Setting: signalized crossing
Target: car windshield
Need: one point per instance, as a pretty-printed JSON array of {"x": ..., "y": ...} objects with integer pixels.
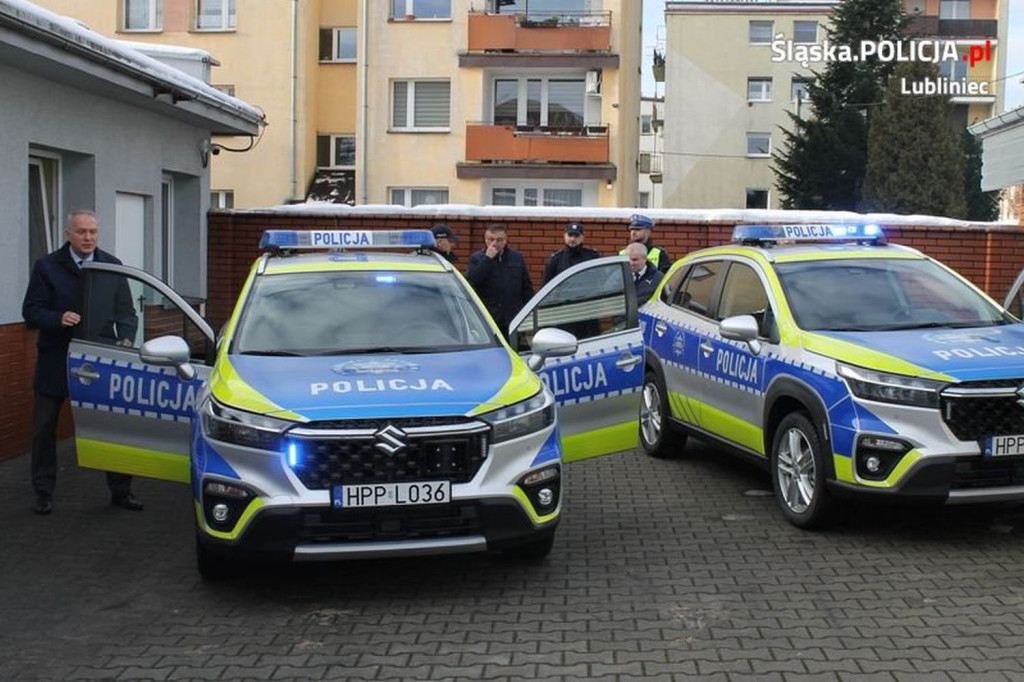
[
  {"x": 335, "y": 313},
  {"x": 881, "y": 294}
]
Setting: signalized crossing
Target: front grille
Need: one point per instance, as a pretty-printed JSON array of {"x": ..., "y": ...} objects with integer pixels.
[
  {"x": 326, "y": 462},
  {"x": 985, "y": 473},
  {"x": 402, "y": 423},
  {"x": 390, "y": 523},
  {"x": 972, "y": 418}
]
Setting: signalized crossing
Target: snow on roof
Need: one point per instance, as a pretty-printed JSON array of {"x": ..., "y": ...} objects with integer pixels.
[
  {"x": 170, "y": 50},
  {"x": 695, "y": 215},
  {"x": 70, "y": 30}
]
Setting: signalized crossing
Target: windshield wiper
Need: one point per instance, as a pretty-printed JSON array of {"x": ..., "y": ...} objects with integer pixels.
[
  {"x": 365, "y": 350},
  {"x": 936, "y": 325},
  {"x": 274, "y": 353}
]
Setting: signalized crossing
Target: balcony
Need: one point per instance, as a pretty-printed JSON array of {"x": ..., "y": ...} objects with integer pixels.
[
  {"x": 933, "y": 27},
  {"x": 578, "y": 39},
  {"x": 507, "y": 150}
]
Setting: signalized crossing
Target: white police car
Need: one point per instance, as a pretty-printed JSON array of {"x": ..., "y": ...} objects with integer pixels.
[
  {"x": 845, "y": 365},
  {"x": 360, "y": 403}
]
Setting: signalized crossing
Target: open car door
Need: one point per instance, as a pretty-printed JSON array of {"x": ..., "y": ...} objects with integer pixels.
[
  {"x": 598, "y": 388},
  {"x": 131, "y": 416}
]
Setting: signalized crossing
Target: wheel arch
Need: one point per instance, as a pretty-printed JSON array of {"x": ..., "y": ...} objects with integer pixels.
[{"x": 787, "y": 395}]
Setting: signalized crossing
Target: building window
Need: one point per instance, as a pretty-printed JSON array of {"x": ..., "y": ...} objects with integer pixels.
[
  {"x": 222, "y": 198},
  {"x": 805, "y": 31},
  {"x": 215, "y": 15},
  {"x": 759, "y": 144},
  {"x": 761, "y": 32},
  {"x": 759, "y": 89},
  {"x": 338, "y": 44},
  {"x": 757, "y": 198},
  {"x": 421, "y": 105},
  {"x": 645, "y": 124},
  {"x": 954, "y": 9},
  {"x": 536, "y": 196},
  {"x": 143, "y": 15},
  {"x": 416, "y": 196},
  {"x": 336, "y": 151},
  {"x": 644, "y": 201},
  {"x": 954, "y": 71},
  {"x": 44, "y": 205},
  {"x": 645, "y": 162},
  {"x": 551, "y": 102},
  {"x": 421, "y": 9},
  {"x": 226, "y": 88},
  {"x": 798, "y": 88}
]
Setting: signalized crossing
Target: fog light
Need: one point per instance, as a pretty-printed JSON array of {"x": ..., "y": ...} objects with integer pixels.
[
  {"x": 545, "y": 496},
  {"x": 873, "y": 464},
  {"x": 220, "y": 512}
]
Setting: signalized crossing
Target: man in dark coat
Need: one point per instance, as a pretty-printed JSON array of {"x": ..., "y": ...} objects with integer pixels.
[
  {"x": 53, "y": 305},
  {"x": 444, "y": 241},
  {"x": 573, "y": 253},
  {"x": 645, "y": 275},
  {"x": 499, "y": 276}
]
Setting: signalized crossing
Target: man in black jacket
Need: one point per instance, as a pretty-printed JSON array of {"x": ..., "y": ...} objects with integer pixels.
[
  {"x": 53, "y": 305},
  {"x": 499, "y": 276},
  {"x": 646, "y": 277},
  {"x": 573, "y": 253},
  {"x": 444, "y": 242}
]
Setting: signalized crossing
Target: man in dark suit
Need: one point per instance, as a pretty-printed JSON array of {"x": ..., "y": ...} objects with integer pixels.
[
  {"x": 645, "y": 275},
  {"x": 499, "y": 276},
  {"x": 573, "y": 253},
  {"x": 53, "y": 305}
]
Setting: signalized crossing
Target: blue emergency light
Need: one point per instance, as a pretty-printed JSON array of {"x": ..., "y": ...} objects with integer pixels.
[
  {"x": 346, "y": 239},
  {"x": 752, "y": 234}
]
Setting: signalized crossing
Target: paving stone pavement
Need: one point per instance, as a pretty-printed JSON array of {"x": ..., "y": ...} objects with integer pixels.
[{"x": 663, "y": 570}]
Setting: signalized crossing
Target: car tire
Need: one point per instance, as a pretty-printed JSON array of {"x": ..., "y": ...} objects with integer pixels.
[
  {"x": 798, "y": 472},
  {"x": 212, "y": 565},
  {"x": 532, "y": 551},
  {"x": 657, "y": 435}
]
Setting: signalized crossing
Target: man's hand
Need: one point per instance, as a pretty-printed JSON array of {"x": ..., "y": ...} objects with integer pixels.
[
  {"x": 70, "y": 318},
  {"x": 127, "y": 343},
  {"x": 492, "y": 251}
]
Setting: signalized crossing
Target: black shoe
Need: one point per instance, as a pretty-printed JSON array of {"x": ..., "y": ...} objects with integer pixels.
[
  {"x": 43, "y": 504},
  {"x": 127, "y": 501}
]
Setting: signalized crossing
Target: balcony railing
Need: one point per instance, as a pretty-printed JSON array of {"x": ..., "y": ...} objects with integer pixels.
[
  {"x": 577, "y": 144},
  {"x": 932, "y": 26},
  {"x": 540, "y": 32}
]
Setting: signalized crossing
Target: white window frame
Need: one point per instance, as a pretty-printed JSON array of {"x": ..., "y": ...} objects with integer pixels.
[
  {"x": 954, "y": 70},
  {"x": 759, "y": 89},
  {"x": 156, "y": 15},
  {"x": 163, "y": 239},
  {"x": 752, "y": 137},
  {"x": 336, "y": 34},
  {"x": 51, "y": 204},
  {"x": 228, "y": 17},
  {"x": 760, "y": 23},
  {"x": 522, "y": 96},
  {"x": 958, "y": 6},
  {"x": 219, "y": 198},
  {"x": 646, "y": 124},
  {"x": 537, "y": 189},
  {"x": 332, "y": 150},
  {"x": 814, "y": 25},
  {"x": 793, "y": 87},
  {"x": 410, "y": 12},
  {"x": 407, "y": 195},
  {"x": 410, "y": 109}
]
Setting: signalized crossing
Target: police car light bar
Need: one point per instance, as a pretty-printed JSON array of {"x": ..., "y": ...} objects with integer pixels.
[
  {"x": 346, "y": 239},
  {"x": 808, "y": 233}
]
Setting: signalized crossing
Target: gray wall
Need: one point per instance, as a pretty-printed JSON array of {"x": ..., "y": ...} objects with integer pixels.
[{"x": 106, "y": 147}]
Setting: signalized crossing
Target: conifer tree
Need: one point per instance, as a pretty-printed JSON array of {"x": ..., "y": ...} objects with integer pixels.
[{"x": 983, "y": 206}]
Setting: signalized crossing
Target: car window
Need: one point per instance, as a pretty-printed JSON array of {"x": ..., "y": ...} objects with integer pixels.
[
  {"x": 588, "y": 303},
  {"x": 881, "y": 294},
  {"x": 744, "y": 294},
  {"x": 327, "y": 313},
  {"x": 698, "y": 288},
  {"x": 672, "y": 286}
]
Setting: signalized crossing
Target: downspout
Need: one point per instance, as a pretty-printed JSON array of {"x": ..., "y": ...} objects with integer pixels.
[
  {"x": 294, "y": 97},
  {"x": 364, "y": 127}
]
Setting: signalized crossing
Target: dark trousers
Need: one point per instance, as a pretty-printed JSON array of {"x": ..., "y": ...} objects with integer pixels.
[{"x": 44, "y": 450}]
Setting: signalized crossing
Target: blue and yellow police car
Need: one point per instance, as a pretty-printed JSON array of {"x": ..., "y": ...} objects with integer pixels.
[
  {"x": 359, "y": 401},
  {"x": 845, "y": 365}
]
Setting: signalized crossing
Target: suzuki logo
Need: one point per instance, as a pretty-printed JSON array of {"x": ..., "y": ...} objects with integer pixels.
[
  {"x": 390, "y": 440},
  {"x": 1020, "y": 395}
]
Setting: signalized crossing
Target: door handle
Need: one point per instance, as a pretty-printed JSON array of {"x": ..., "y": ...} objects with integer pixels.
[
  {"x": 86, "y": 374},
  {"x": 706, "y": 348},
  {"x": 660, "y": 328},
  {"x": 628, "y": 362}
]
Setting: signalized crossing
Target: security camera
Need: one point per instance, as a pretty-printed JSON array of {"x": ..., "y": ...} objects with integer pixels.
[{"x": 208, "y": 147}]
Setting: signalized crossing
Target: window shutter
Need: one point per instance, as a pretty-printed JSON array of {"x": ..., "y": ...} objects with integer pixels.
[
  {"x": 400, "y": 105},
  {"x": 433, "y": 104}
]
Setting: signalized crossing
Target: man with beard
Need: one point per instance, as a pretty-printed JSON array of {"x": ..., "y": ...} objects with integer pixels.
[{"x": 573, "y": 253}]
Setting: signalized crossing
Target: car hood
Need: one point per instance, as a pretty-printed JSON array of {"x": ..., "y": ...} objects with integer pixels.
[
  {"x": 971, "y": 354},
  {"x": 378, "y": 385}
]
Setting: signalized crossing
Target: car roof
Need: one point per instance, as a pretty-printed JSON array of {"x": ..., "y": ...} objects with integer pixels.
[
  {"x": 781, "y": 253},
  {"x": 336, "y": 261}
]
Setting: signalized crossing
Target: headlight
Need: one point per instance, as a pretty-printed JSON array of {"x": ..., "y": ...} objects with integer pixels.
[
  {"x": 890, "y": 388},
  {"x": 522, "y": 418},
  {"x": 242, "y": 428}
]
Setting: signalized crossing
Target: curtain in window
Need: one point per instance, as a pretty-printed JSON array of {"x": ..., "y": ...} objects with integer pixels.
[
  {"x": 400, "y": 107},
  {"x": 563, "y": 197},
  {"x": 433, "y": 104}
]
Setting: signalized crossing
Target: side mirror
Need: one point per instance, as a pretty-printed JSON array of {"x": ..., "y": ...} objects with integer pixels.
[
  {"x": 741, "y": 328},
  {"x": 169, "y": 351},
  {"x": 550, "y": 343}
]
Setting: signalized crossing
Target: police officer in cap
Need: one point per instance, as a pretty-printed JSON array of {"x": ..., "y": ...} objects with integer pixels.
[
  {"x": 445, "y": 242},
  {"x": 640, "y": 227},
  {"x": 573, "y": 253}
]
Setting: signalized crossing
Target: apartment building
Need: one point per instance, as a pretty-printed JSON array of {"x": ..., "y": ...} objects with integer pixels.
[
  {"x": 652, "y": 143},
  {"x": 529, "y": 102},
  {"x": 726, "y": 97}
]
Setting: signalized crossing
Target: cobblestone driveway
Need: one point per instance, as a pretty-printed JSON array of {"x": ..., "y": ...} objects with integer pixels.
[{"x": 662, "y": 570}]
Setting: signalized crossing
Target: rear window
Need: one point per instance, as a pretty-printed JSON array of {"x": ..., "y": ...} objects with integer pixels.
[{"x": 334, "y": 313}]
